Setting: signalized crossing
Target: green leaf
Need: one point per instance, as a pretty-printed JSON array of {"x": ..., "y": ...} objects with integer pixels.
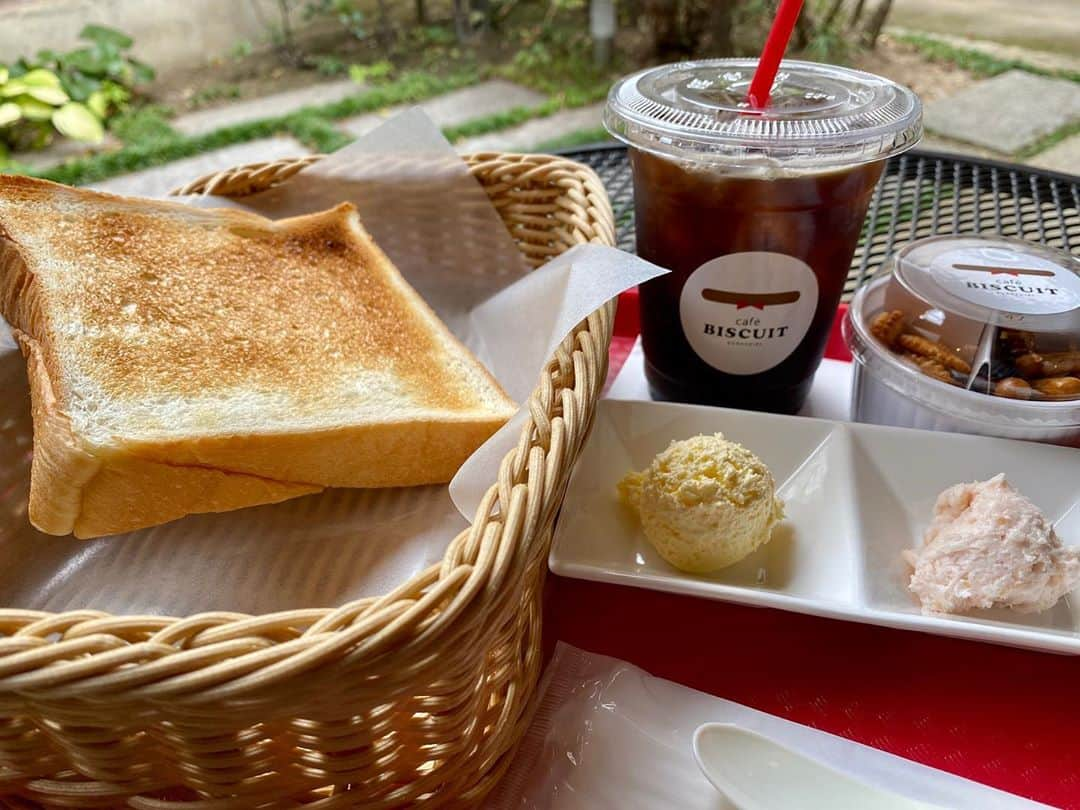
[
  {"x": 45, "y": 94},
  {"x": 49, "y": 95},
  {"x": 35, "y": 110},
  {"x": 116, "y": 95},
  {"x": 47, "y": 56},
  {"x": 98, "y": 104},
  {"x": 40, "y": 77},
  {"x": 78, "y": 85},
  {"x": 76, "y": 121},
  {"x": 143, "y": 72},
  {"x": 87, "y": 61},
  {"x": 3, "y": 74},
  {"x": 53, "y": 96},
  {"x": 361, "y": 74},
  {"x": 120, "y": 70},
  {"x": 115, "y": 92},
  {"x": 102, "y": 35},
  {"x": 9, "y": 113}
]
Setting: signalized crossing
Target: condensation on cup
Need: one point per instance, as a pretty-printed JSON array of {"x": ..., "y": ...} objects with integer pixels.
[{"x": 757, "y": 215}]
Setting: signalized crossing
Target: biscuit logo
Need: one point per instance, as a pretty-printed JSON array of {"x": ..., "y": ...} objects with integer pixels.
[
  {"x": 1014, "y": 284},
  {"x": 746, "y": 300},
  {"x": 745, "y": 313},
  {"x": 1015, "y": 272}
]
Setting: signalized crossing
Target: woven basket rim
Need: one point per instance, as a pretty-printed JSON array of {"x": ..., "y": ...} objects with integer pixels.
[
  {"x": 259, "y": 176},
  {"x": 326, "y": 622},
  {"x": 453, "y": 653}
]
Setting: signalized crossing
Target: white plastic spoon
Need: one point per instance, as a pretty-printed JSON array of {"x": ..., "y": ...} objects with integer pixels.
[{"x": 755, "y": 773}]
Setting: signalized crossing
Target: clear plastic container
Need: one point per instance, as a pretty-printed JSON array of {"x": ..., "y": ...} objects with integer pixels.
[
  {"x": 973, "y": 334},
  {"x": 756, "y": 213}
]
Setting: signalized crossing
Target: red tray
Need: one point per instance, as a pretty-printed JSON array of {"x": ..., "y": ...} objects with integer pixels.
[{"x": 1000, "y": 716}]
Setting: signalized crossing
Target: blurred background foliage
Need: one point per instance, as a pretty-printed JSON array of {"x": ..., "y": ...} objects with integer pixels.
[
  {"x": 552, "y": 45},
  {"x": 397, "y": 51},
  {"x": 542, "y": 33},
  {"x": 70, "y": 94}
]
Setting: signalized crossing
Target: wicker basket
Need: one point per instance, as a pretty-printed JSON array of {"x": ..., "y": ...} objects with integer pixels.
[{"x": 415, "y": 697}]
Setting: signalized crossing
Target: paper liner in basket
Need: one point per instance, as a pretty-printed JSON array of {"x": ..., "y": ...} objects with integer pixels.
[{"x": 417, "y": 198}]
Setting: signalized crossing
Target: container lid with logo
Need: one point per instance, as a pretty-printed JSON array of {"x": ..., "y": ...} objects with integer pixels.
[
  {"x": 1005, "y": 282},
  {"x": 818, "y": 115},
  {"x": 953, "y": 318}
]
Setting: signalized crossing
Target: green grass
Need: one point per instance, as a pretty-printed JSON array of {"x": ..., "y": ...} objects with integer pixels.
[
  {"x": 310, "y": 125},
  {"x": 151, "y": 141},
  {"x": 143, "y": 123},
  {"x": 212, "y": 93},
  {"x": 318, "y": 133},
  {"x": 983, "y": 64},
  {"x": 499, "y": 121},
  {"x": 1047, "y": 141},
  {"x": 519, "y": 115},
  {"x": 572, "y": 139},
  {"x": 977, "y": 62},
  {"x": 548, "y": 55}
]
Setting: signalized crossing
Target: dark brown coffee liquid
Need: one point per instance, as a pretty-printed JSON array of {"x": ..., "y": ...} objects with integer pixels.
[{"x": 686, "y": 218}]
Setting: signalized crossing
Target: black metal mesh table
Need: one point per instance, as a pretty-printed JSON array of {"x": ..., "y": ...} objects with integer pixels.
[{"x": 920, "y": 194}]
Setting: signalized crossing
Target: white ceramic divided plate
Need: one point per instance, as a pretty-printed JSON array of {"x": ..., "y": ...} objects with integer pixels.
[{"x": 855, "y": 495}]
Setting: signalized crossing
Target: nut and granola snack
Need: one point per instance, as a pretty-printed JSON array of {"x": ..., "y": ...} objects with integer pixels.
[
  {"x": 930, "y": 367},
  {"x": 917, "y": 344},
  {"x": 1016, "y": 342},
  {"x": 1013, "y": 388},
  {"x": 1056, "y": 364},
  {"x": 888, "y": 326},
  {"x": 1019, "y": 370},
  {"x": 1058, "y": 387}
]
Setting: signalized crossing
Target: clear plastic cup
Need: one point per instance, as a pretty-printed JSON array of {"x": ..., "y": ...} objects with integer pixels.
[{"x": 757, "y": 215}]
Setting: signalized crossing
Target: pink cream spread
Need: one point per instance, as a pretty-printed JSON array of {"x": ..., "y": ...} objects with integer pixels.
[{"x": 989, "y": 546}]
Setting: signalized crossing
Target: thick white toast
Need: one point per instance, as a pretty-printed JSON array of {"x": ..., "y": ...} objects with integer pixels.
[{"x": 188, "y": 360}]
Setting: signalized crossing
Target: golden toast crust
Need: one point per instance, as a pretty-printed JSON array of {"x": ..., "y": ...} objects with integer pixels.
[{"x": 156, "y": 302}]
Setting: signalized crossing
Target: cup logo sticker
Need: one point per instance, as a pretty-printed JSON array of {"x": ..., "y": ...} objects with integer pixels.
[
  {"x": 1005, "y": 280},
  {"x": 1015, "y": 272},
  {"x": 741, "y": 300},
  {"x": 745, "y": 313}
]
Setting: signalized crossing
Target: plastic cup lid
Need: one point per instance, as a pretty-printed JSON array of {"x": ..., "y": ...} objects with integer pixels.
[{"x": 818, "y": 115}]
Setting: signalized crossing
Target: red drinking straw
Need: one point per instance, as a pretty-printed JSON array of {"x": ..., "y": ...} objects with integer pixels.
[{"x": 775, "y": 45}]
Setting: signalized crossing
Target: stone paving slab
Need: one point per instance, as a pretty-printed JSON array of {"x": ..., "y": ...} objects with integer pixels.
[
  {"x": 160, "y": 181},
  {"x": 531, "y": 133},
  {"x": 933, "y": 143},
  {"x": 1046, "y": 24},
  {"x": 456, "y": 107},
  {"x": 1006, "y": 113},
  {"x": 1063, "y": 157},
  {"x": 64, "y": 149},
  {"x": 1045, "y": 60},
  {"x": 203, "y": 121}
]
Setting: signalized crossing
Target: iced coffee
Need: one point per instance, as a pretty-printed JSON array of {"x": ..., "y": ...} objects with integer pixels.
[{"x": 757, "y": 215}]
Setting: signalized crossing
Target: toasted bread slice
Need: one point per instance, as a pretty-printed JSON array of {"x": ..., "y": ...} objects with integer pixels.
[{"x": 187, "y": 360}]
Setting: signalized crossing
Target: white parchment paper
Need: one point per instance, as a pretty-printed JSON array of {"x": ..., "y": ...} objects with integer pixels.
[
  {"x": 609, "y": 735},
  {"x": 419, "y": 201}
]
